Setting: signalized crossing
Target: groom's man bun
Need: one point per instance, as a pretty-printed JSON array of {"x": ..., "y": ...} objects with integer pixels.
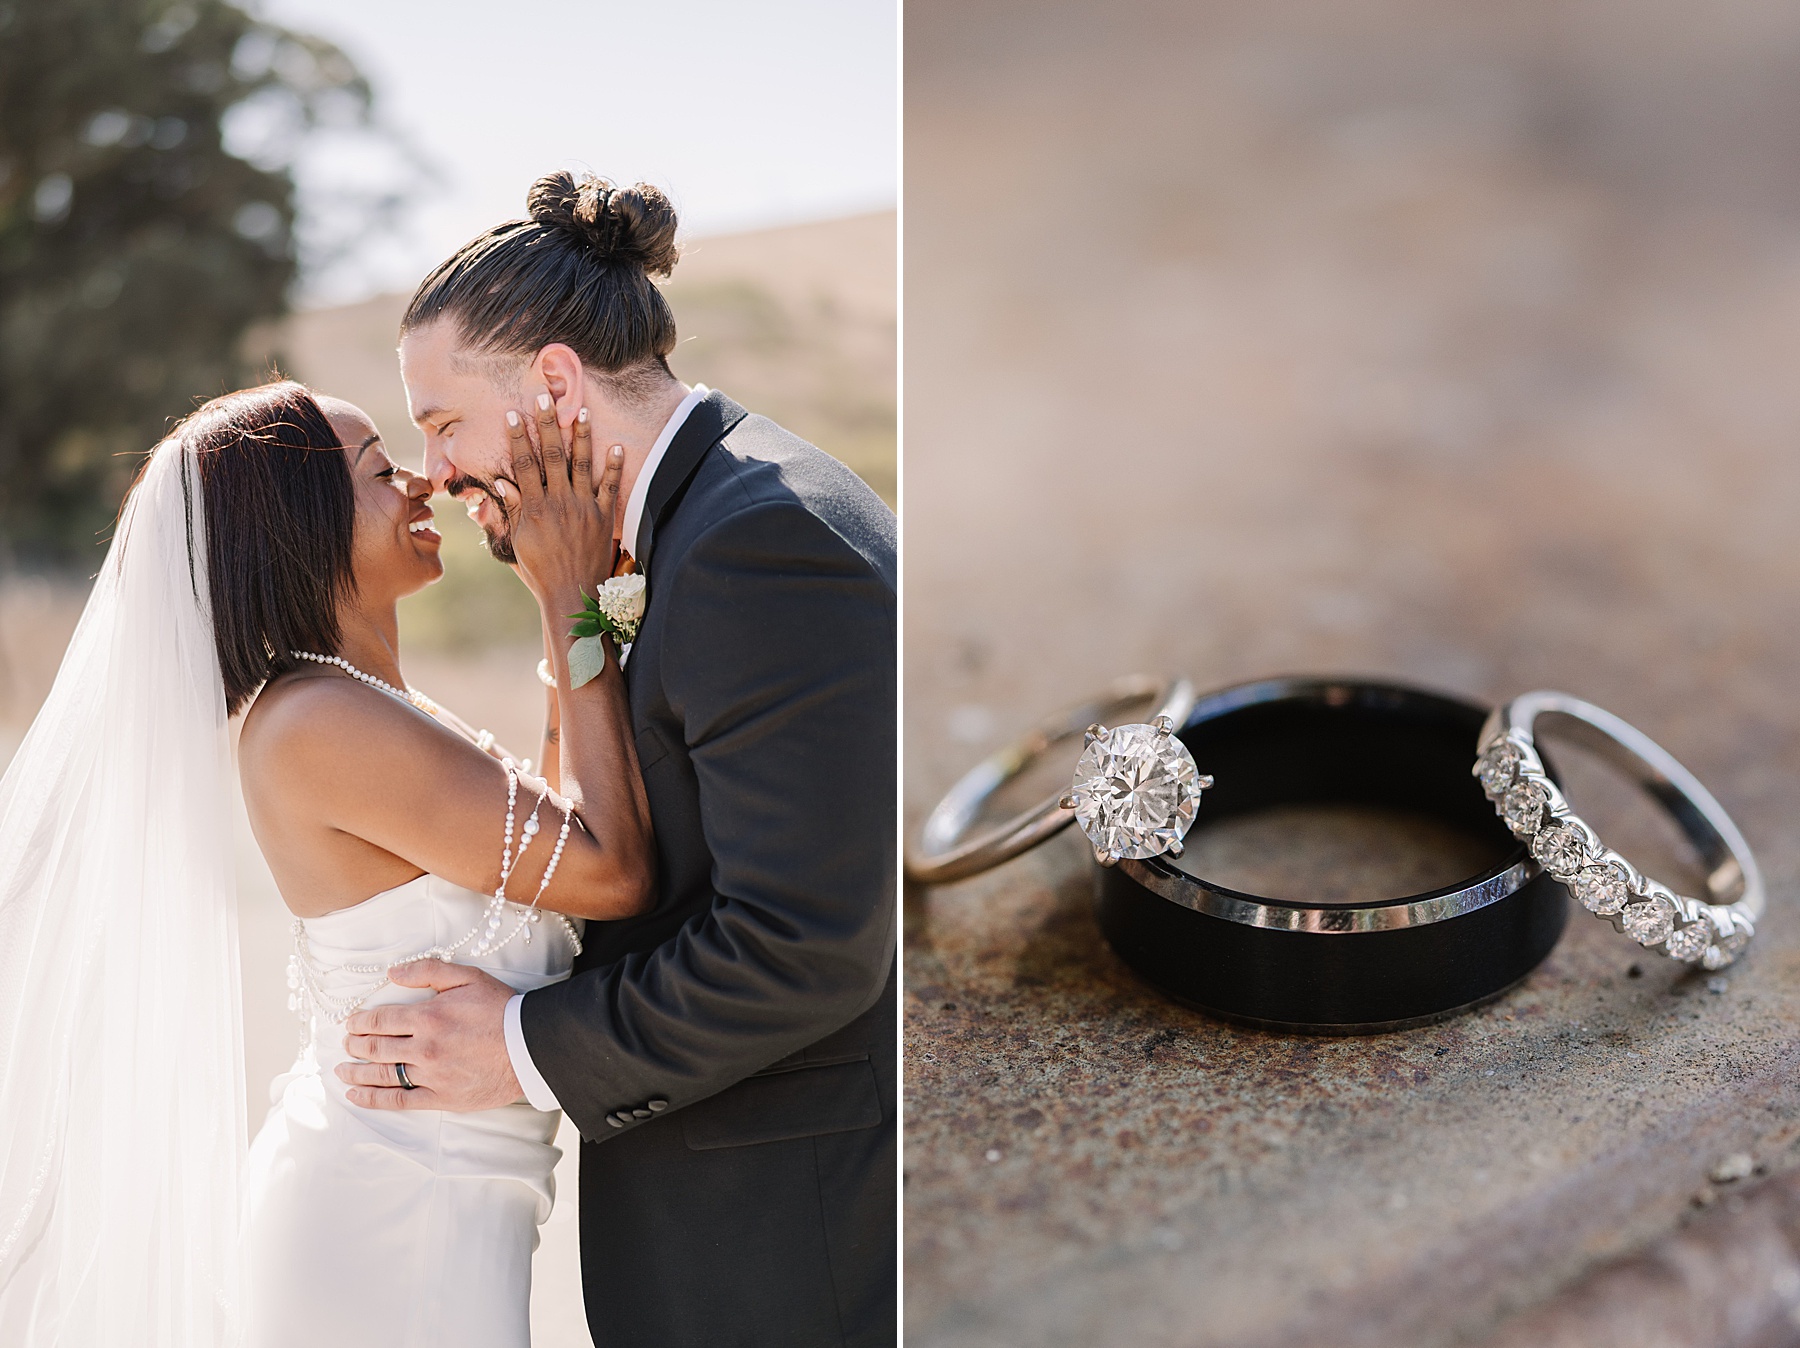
[
  {"x": 578, "y": 271},
  {"x": 627, "y": 225}
]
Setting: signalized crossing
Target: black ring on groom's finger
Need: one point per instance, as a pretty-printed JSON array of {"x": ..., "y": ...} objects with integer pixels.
[
  {"x": 405, "y": 1083},
  {"x": 1327, "y": 967}
]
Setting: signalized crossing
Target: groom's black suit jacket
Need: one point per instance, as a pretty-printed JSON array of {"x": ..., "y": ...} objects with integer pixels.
[{"x": 729, "y": 1057}]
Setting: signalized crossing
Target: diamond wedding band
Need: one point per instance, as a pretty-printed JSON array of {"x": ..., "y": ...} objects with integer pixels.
[
  {"x": 1605, "y": 883},
  {"x": 1133, "y": 794}
]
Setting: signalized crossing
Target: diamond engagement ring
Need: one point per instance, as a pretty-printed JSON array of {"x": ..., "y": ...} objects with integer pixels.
[
  {"x": 1605, "y": 883},
  {"x": 1135, "y": 791}
]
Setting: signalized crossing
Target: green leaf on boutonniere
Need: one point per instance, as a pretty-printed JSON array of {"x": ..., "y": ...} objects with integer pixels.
[
  {"x": 587, "y": 660},
  {"x": 592, "y": 620}
]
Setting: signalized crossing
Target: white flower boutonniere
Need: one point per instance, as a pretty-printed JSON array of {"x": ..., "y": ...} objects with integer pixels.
[{"x": 616, "y": 611}]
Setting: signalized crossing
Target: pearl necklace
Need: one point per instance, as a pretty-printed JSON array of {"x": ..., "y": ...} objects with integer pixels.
[{"x": 409, "y": 694}]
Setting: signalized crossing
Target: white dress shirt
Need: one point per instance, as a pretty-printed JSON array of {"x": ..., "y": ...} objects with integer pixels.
[
  {"x": 640, "y": 490},
  {"x": 537, "y": 1091}
]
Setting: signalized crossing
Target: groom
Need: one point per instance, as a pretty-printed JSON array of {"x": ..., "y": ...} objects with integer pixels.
[{"x": 729, "y": 1057}]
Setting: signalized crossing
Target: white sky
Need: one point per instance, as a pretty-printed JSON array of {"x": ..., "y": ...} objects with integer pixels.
[{"x": 748, "y": 112}]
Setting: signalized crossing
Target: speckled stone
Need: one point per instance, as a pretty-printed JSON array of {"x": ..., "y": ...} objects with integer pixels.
[{"x": 1453, "y": 344}]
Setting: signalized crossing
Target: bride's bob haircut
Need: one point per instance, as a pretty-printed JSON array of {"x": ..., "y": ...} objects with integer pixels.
[
  {"x": 280, "y": 526},
  {"x": 578, "y": 271}
]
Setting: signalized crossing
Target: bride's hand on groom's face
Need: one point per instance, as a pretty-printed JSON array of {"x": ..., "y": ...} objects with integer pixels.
[{"x": 562, "y": 519}]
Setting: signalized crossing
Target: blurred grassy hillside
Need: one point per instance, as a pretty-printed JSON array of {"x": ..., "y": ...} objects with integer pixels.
[{"x": 796, "y": 323}]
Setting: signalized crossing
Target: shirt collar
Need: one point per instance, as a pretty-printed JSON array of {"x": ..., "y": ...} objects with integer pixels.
[{"x": 640, "y": 490}]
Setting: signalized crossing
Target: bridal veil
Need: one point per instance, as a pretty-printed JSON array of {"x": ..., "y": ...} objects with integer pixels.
[{"x": 121, "y": 1062}]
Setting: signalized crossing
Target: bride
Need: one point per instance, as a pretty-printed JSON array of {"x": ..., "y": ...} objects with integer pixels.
[{"x": 257, "y": 563}]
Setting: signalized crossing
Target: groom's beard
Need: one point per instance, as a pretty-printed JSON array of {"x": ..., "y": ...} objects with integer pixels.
[{"x": 499, "y": 541}]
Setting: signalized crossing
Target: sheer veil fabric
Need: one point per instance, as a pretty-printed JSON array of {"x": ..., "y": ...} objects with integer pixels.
[{"x": 121, "y": 1057}]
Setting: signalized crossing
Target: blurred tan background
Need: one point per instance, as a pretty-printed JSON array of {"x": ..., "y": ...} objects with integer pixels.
[
  {"x": 1454, "y": 343},
  {"x": 797, "y": 323}
]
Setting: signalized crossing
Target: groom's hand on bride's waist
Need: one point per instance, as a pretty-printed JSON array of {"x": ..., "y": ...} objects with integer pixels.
[{"x": 453, "y": 1045}]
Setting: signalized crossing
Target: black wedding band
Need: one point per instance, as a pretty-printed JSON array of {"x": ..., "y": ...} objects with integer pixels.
[
  {"x": 405, "y": 1083},
  {"x": 1334, "y": 967}
]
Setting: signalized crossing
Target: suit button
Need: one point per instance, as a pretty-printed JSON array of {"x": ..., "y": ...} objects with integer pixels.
[
  {"x": 615, "y": 1121},
  {"x": 659, "y": 1105},
  {"x": 640, "y": 1113}
]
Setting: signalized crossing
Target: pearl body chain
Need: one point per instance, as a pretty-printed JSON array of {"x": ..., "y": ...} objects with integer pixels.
[{"x": 306, "y": 975}]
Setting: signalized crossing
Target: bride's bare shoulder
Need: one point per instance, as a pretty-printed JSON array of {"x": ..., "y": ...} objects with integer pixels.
[{"x": 311, "y": 721}]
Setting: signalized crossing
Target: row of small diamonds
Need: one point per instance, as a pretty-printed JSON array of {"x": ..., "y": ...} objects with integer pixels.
[{"x": 1601, "y": 880}]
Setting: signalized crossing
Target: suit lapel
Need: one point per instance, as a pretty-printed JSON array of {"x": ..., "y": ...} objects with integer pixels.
[{"x": 709, "y": 422}]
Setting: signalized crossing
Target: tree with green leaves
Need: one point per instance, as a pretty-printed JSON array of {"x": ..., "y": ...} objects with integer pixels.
[{"x": 147, "y": 220}]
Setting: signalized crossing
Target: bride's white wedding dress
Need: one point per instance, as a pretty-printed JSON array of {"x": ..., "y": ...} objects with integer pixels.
[
  {"x": 403, "y": 1229},
  {"x": 123, "y": 1194}
]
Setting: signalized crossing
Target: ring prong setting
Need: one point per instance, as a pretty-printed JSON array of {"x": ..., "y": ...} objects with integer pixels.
[{"x": 1135, "y": 791}]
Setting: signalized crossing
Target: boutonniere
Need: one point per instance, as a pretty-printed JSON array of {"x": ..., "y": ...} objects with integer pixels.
[{"x": 616, "y": 611}]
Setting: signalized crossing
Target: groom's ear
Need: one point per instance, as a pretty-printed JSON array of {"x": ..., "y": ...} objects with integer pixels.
[{"x": 561, "y": 371}]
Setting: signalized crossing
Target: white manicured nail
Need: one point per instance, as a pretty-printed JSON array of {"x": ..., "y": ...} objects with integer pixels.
[
  {"x": 512, "y": 418},
  {"x": 581, "y": 416},
  {"x": 543, "y": 402}
]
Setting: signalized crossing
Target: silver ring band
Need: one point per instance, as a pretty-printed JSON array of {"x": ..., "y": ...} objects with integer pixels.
[
  {"x": 1246, "y": 910},
  {"x": 400, "y": 1072},
  {"x": 1605, "y": 883},
  {"x": 943, "y": 855}
]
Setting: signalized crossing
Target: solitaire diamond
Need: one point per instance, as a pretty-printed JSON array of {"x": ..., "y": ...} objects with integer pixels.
[
  {"x": 1499, "y": 765},
  {"x": 1689, "y": 943},
  {"x": 1561, "y": 849},
  {"x": 1650, "y": 922},
  {"x": 1601, "y": 889},
  {"x": 1523, "y": 806},
  {"x": 1135, "y": 793}
]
